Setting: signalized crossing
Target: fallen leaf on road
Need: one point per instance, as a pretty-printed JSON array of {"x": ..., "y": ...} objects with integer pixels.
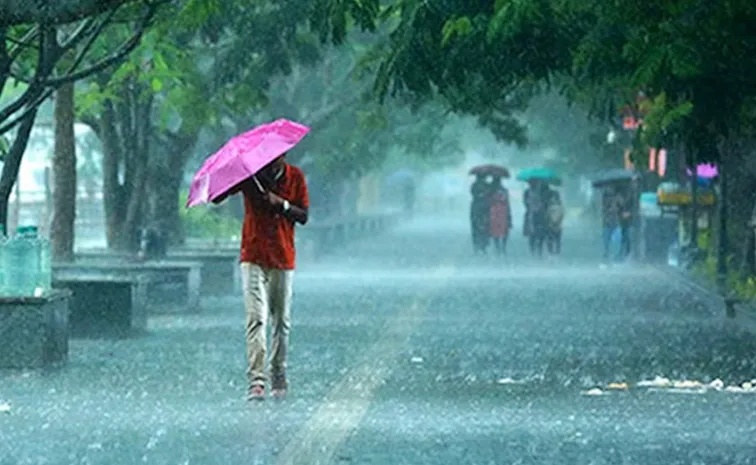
[{"x": 619, "y": 386}]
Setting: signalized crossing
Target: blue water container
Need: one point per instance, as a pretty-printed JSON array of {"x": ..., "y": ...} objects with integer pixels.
[{"x": 21, "y": 263}]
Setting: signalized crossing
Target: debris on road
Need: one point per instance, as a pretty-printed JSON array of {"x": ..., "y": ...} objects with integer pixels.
[
  {"x": 5, "y": 407},
  {"x": 685, "y": 386},
  {"x": 618, "y": 386},
  {"x": 593, "y": 392},
  {"x": 656, "y": 382},
  {"x": 509, "y": 381}
]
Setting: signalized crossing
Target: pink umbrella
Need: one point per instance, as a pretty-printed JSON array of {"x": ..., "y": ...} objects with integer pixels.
[
  {"x": 243, "y": 156},
  {"x": 705, "y": 170}
]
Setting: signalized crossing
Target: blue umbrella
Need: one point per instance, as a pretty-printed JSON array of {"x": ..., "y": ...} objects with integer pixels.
[
  {"x": 401, "y": 176},
  {"x": 539, "y": 174}
]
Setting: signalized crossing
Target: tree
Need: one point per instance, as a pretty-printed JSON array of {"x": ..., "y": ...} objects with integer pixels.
[
  {"x": 64, "y": 175},
  {"x": 53, "y": 12},
  {"x": 30, "y": 53},
  {"x": 479, "y": 58},
  {"x": 353, "y": 135},
  {"x": 203, "y": 69}
]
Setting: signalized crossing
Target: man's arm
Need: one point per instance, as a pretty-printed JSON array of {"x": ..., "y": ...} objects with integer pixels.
[
  {"x": 295, "y": 213},
  {"x": 233, "y": 191},
  {"x": 297, "y": 207}
]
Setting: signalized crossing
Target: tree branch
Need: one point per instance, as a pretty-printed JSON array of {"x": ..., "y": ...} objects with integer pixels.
[
  {"x": 23, "y": 42},
  {"x": 32, "y": 107},
  {"x": 82, "y": 30},
  {"x": 12, "y": 162},
  {"x": 124, "y": 50},
  {"x": 5, "y": 60},
  {"x": 55, "y": 12},
  {"x": 33, "y": 91},
  {"x": 36, "y": 95}
]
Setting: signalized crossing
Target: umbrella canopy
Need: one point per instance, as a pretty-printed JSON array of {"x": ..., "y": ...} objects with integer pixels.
[
  {"x": 401, "y": 176},
  {"x": 705, "y": 171},
  {"x": 540, "y": 174},
  {"x": 243, "y": 156},
  {"x": 613, "y": 176},
  {"x": 490, "y": 170}
]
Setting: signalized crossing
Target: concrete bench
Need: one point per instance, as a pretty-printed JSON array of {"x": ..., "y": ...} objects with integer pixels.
[
  {"x": 172, "y": 287},
  {"x": 34, "y": 331},
  {"x": 219, "y": 274},
  {"x": 105, "y": 306},
  {"x": 220, "y": 269}
]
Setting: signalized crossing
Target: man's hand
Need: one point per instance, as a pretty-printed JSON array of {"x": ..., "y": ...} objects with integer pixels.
[
  {"x": 294, "y": 213},
  {"x": 274, "y": 200}
]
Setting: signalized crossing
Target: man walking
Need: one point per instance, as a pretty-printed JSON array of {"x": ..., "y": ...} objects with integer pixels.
[{"x": 274, "y": 201}]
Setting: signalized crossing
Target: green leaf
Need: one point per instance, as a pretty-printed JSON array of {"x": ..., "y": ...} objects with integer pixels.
[{"x": 456, "y": 27}]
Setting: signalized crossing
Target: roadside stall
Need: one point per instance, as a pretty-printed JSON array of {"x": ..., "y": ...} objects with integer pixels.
[
  {"x": 675, "y": 200},
  {"x": 658, "y": 228}
]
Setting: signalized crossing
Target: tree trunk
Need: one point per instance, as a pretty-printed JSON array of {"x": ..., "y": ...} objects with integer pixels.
[
  {"x": 13, "y": 164},
  {"x": 164, "y": 207},
  {"x": 64, "y": 176},
  {"x": 124, "y": 132},
  {"x": 112, "y": 190},
  {"x": 164, "y": 186}
]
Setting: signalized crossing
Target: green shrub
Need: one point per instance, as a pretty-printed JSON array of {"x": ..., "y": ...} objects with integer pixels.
[
  {"x": 742, "y": 288},
  {"x": 208, "y": 222}
]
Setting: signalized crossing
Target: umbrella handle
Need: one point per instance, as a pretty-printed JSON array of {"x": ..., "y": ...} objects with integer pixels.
[{"x": 259, "y": 186}]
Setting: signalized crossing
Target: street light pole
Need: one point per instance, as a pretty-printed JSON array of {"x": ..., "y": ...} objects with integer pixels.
[
  {"x": 722, "y": 248},
  {"x": 693, "y": 163}
]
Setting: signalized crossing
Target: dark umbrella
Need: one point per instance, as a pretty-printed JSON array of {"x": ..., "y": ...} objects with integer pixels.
[
  {"x": 490, "y": 170},
  {"x": 402, "y": 176},
  {"x": 613, "y": 176}
]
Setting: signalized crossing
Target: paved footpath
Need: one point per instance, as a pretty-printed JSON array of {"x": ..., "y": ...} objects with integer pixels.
[{"x": 406, "y": 350}]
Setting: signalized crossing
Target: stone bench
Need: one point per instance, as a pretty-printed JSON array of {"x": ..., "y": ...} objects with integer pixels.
[
  {"x": 105, "y": 306},
  {"x": 34, "y": 330},
  {"x": 172, "y": 287},
  {"x": 220, "y": 267}
]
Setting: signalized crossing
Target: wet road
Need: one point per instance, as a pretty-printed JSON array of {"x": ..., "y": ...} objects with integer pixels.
[{"x": 405, "y": 350}]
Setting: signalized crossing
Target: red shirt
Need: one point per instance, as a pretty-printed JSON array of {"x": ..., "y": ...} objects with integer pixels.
[{"x": 267, "y": 235}]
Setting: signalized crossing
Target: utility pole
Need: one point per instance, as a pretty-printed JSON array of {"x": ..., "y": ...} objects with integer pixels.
[
  {"x": 694, "y": 200},
  {"x": 722, "y": 245}
]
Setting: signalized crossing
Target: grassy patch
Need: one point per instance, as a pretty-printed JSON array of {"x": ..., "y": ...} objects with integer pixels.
[{"x": 208, "y": 222}]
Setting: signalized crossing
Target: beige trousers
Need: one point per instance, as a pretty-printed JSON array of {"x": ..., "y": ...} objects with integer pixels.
[{"x": 267, "y": 294}]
